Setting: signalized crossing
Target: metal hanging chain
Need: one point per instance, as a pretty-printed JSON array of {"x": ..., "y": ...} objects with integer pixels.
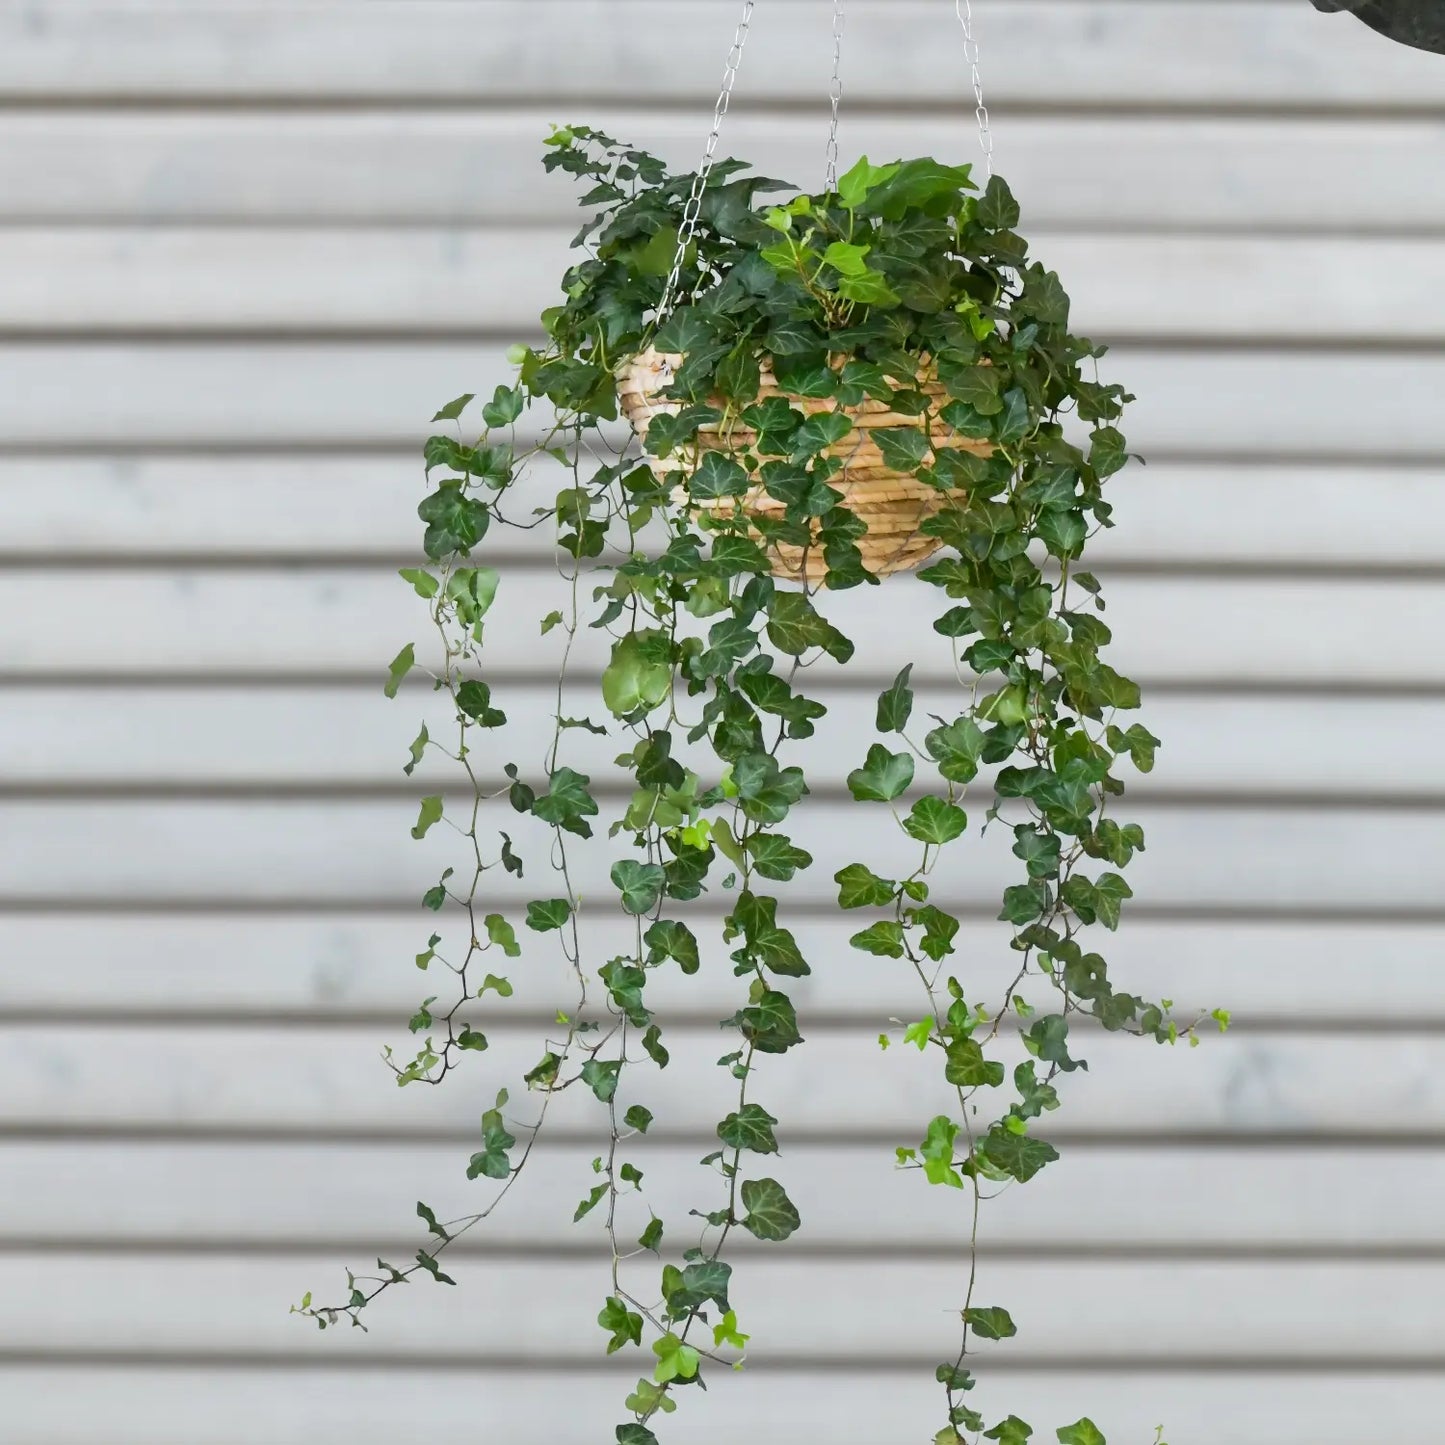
[
  {"x": 693, "y": 208},
  {"x": 835, "y": 95},
  {"x": 964, "y": 11}
]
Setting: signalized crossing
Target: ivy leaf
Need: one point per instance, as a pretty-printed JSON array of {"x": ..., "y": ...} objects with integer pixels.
[
  {"x": 624, "y": 1325},
  {"x": 795, "y": 626},
  {"x": 996, "y": 208},
  {"x": 1017, "y": 1154},
  {"x": 895, "y": 705},
  {"x": 1082, "y": 1432},
  {"x": 904, "y": 448},
  {"x": 771, "y": 1214},
  {"x": 634, "y": 1434},
  {"x": 861, "y": 178},
  {"x": 932, "y": 820},
  {"x": 453, "y": 409},
  {"x": 474, "y": 698},
  {"x": 718, "y": 475},
  {"x": 503, "y": 409},
  {"x": 636, "y": 680},
  {"x": 883, "y": 776},
  {"x": 424, "y": 583},
  {"x": 774, "y": 947},
  {"x": 775, "y": 856},
  {"x": 989, "y": 1322},
  {"x": 956, "y": 747},
  {"x": 939, "y": 931},
  {"x": 491, "y": 1161},
  {"x": 455, "y": 521},
  {"x": 548, "y": 914},
  {"x": 567, "y": 802},
  {"x": 430, "y": 813},
  {"x": 640, "y": 884},
  {"x": 1039, "y": 850},
  {"x": 884, "y": 938},
  {"x": 769, "y": 1023},
  {"x": 1014, "y": 421},
  {"x": 750, "y": 1127},
  {"x": 638, "y": 1117},
  {"x": 601, "y": 1076},
  {"x": 967, "y": 1068},
  {"x": 859, "y": 887},
  {"x": 708, "y": 1279},
  {"x": 821, "y": 431},
  {"x": 1012, "y": 1431},
  {"x": 500, "y": 932},
  {"x": 401, "y": 664}
]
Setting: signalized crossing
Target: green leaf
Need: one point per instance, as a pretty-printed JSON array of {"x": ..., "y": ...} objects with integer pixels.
[
  {"x": 846, "y": 259},
  {"x": 500, "y": 932},
  {"x": 821, "y": 430},
  {"x": 675, "y": 1360},
  {"x": 859, "y": 180},
  {"x": 623, "y": 1324},
  {"x": 401, "y": 664},
  {"x": 1017, "y": 1154},
  {"x": 601, "y": 1076},
  {"x": 883, "y": 776},
  {"x": 771, "y": 1214},
  {"x": 858, "y": 887},
  {"x": 707, "y": 1279},
  {"x": 868, "y": 288},
  {"x": 766, "y": 943},
  {"x": 904, "y": 448},
  {"x": 1012, "y": 1431},
  {"x": 638, "y": 1117},
  {"x": 567, "y": 802},
  {"x": 996, "y": 208},
  {"x": 750, "y": 1127},
  {"x": 989, "y": 1322},
  {"x": 769, "y": 1023},
  {"x": 1013, "y": 422},
  {"x": 491, "y": 1161},
  {"x": 474, "y": 699},
  {"x": 718, "y": 475},
  {"x": 884, "y": 938},
  {"x": 935, "y": 821},
  {"x": 455, "y": 521},
  {"x": 795, "y": 626},
  {"x": 453, "y": 409},
  {"x": 1082, "y": 1432},
  {"x": 967, "y": 1068},
  {"x": 916, "y": 185},
  {"x": 431, "y": 812},
  {"x": 423, "y": 582},
  {"x": 504, "y": 408},
  {"x": 975, "y": 386},
  {"x": 956, "y": 747},
  {"x": 634, "y": 1434},
  {"x": 637, "y": 679},
  {"x": 775, "y": 856},
  {"x": 895, "y": 705},
  {"x": 640, "y": 884},
  {"x": 546, "y": 914},
  {"x": 426, "y": 1214}
]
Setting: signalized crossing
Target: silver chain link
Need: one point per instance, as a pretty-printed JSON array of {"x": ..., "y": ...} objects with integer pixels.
[
  {"x": 964, "y": 10},
  {"x": 693, "y": 208},
  {"x": 835, "y": 94}
]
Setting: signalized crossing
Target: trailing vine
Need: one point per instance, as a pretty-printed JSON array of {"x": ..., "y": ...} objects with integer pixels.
[{"x": 905, "y": 287}]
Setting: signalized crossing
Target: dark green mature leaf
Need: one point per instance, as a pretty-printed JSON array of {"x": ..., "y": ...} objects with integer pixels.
[
  {"x": 884, "y": 938},
  {"x": 474, "y": 698},
  {"x": 904, "y": 448},
  {"x": 453, "y": 409},
  {"x": 915, "y": 185},
  {"x": 821, "y": 430},
  {"x": 707, "y": 1280},
  {"x": 750, "y": 1127},
  {"x": 640, "y": 884},
  {"x": 795, "y": 626},
  {"x": 718, "y": 475},
  {"x": 858, "y": 887},
  {"x": 1012, "y": 1431},
  {"x": 567, "y": 802},
  {"x": 769, "y": 1023},
  {"x": 1017, "y": 1154},
  {"x": 933, "y": 820},
  {"x": 455, "y": 521},
  {"x": 401, "y": 664},
  {"x": 883, "y": 776},
  {"x": 895, "y": 705},
  {"x": 996, "y": 208},
  {"x": 956, "y": 747},
  {"x": 634, "y": 1434},
  {"x": 771, "y": 1215},
  {"x": 765, "y": 941},
  {"x": 967, "y": 1067},
  {"x": 775, "y": 856},
  {"x": 547, "y": 914},
  {"x": 601, "y": 1076}
]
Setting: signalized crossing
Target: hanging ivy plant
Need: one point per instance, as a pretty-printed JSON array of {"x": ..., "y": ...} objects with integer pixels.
[{"x": 856, "y": 381}]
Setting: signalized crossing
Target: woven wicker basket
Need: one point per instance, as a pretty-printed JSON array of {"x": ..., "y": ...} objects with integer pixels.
[{"x": 891, "y": 503}]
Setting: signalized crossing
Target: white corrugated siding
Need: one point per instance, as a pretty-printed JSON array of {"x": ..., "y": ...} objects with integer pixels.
[{"x": 245, "y": 250}]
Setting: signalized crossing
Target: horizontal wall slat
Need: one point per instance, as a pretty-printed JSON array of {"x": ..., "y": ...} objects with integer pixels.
[
  {"x": 1050, "y": 52},
  {"x": 158, "y": 1406},
  {"x": 1268, "y": 1314},
  {"x": 358, "y": 964},
  {"x": 178, "y": 1197},
  {"x": 223, "y": 1079},
  {"x": 453, "y": 166},
  {"x": 361, "y": 853},
  {"x": 308, "y": 623},
  {"x": 166, "y": 279},
  {"x": 1225, "y": 404},
  {"x": 307, "y": 507},
  {"x": 339, "y": 738}
]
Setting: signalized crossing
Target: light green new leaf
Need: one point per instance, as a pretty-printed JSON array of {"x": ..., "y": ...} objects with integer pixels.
[
  {"x": 430, "y": 812},
  {"x": 1082, "y": 1432},
  {"x": 989, "y": 1322},
  {"x": 401, "y": 664},
  {"x": 500, "y": 932}
]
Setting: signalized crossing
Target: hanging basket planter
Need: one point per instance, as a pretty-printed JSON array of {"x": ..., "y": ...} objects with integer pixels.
[{"x": 891, "y": 503}]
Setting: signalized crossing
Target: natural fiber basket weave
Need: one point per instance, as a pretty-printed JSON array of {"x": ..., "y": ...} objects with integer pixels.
[{"x": 891, "y": 503}]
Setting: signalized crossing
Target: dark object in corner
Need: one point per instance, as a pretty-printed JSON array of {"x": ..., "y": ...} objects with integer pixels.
[{"x": 1420, "y": 23}]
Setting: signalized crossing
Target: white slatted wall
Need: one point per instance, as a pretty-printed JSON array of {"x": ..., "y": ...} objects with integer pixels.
[{"x": 245, "y": 250}]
